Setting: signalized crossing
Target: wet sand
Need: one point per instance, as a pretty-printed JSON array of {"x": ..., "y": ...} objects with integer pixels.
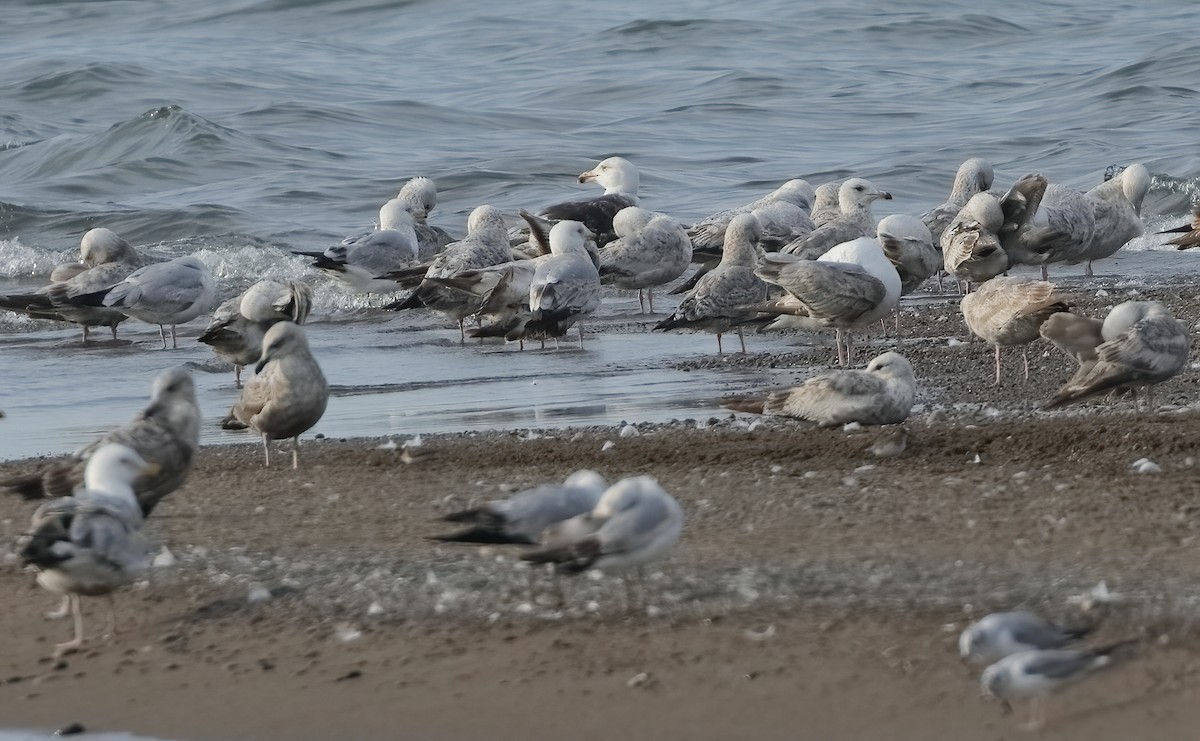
[{"x": 817, "y": 591}]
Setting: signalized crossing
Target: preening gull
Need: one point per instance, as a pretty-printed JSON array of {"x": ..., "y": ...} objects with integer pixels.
[
  {"x": 1008, "y": 311},
  {"x": 973, "y": 176},
  {"x": 1143, "y": 345},
  {"x": 523, "y": 517},
  {"x": 708, "y": 234},
  {"x": 908, "y": 245},
  {"x": 620, "y": 180},
  {"x": 105, "y": 260},
  {"x": 173, "y": 293},
  {"x": 650, "y": 250},
  {"x": 485, "y": 245},
  {"x": 726, "y": 296},
  {"x": 880, "y": 395},
  {"x": 503, "y": 295},
  {"x": 419, "y": 197},
  {"x": 565, "y": 287},
  {"x": 1077, "y": 336},
  {"x": 165, "y": 433},
  {"x": 362, "y": 262},
  {"x": 91, "y": 543},
  {"x": 1002, "y": 634},
  {"x": 852, "y": 285},
  {"x": 1190, "y": 233},
  {"x": 239, "y": 324},
  {"x": 1117, "y": 213},
  {"x": 971, "y": 250},
  {"x": 288, "y": 394},
  {"x": 634, "y": 522},
  {"x": 855, "y": 197},
  {"x": 1034, "y": 674},
  {"x": 1046, "y": 223},
  {"x": 825, "y": 206}
]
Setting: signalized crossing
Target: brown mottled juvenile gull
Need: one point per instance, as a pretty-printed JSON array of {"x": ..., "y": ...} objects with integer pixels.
[
  {"x": 105, "y": 260},
  {"x": 239, "y": 324},
  {"x": 650, "y": 250},
  {"x": 1051, "y": 223},
  {"x": 1143, "y": 345},
  {"x": 288, "y": 394},
  {"x": 1008, "y": 311},
  {"x": 166, "y": 433},
  {"x": 1189, "y": 233},
  {"x": 726, "y": 296},
  {"x": 1117, "y": 213},
  {"x": 708, "y": 234},
  {"x": 971, "y": 250},
  {"x": 91, "y": 543},
  {"x": 880, "y": 395},
  {"x": 855, "y": 197},
  {"x": 1077, "y": 336},
  {"x": 973, "y": 176}
]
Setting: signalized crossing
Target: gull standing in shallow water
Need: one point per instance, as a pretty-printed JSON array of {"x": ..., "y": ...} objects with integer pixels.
[
  {"x": 91, "y": 543},
  {"x": 650, "y": 250},
  {"x": 288, "y": 394},
  {"x": 725, "y": 297},
  {"x": 362, "y": 261},
  {"x": 523, "y": 517},
  {"x": 419, "y": 197},
  {"x": 1143, "y": 345},
  {"x": 1002, "y": 634},
  {"x": 634, "y": 522},
  {"x": 880, "y": 395},
  {"x": 166, "y": 433},
  {"x": 620, "y": 180},
  {"x": 1117, "y": 212},
  {"x": 164, "y": 293},
  {"x": 565, "y": 287},
  {"x": 708, "y": 234},
  {"x": 238, "y": 325}
]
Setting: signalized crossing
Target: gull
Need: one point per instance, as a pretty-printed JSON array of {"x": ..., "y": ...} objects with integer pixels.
[
  {"x": 239, "y": 324},
  {"x": 523, "y": 517},
  {"x": 485, "y": 245},
  {"x": 1010, "y": 311},
  {"x": 1117, "y": 213},
  {"x": 91, "y": 543},
  {"x": 1190, "y": 232},
  {"x": 1143, "y": 345},
  {"x": 1077, "y": 336},
  {"x": 1049, "y": 223},
  {"x": 362, "y": 262},
  {"x": 634, "y": 522},
  {"x": 908, "y": 245},
  {"x": 419, "y": 197},
  {"x": 1034, "y": 674},
  {"x": 855, "y": 197},
  {"x": 105, "y": 260},
  {"x": 166, "y": 433},
  {"x": 852, "y": 285},
  {"x": 971, "y": 250},
  {"x": 1002, "y": 634},
  {"x": 825, "y": 206},
  {"x": 620, "y": 180},
  {"x": 880, "y": 395},
  {"x": 172, "y": 292},
  {"x": 565, "y": 286},
  {"x": 973, "y": 176},
  {"x": 288, "y": 393},
  {"x": 725, "y": 297},
  {"x": 650, "y": 250},
  {"x": 708, "y": 234}
]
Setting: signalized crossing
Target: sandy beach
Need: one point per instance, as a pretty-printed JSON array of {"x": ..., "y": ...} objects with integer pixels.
[{"x": 817, "y": 591}]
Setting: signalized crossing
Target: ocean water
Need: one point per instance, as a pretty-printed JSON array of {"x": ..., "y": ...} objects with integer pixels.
[{"x": 243, "y": 129}]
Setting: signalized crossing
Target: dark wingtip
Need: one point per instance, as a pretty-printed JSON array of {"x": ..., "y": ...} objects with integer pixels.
[{"x": 411, "y": 302}]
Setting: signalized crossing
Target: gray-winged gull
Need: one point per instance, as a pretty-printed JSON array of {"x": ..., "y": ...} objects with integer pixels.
[
  {"x": 238, "y": 325},
  {"x": 1117, "y": 213},
  {"x": 524, "y": 516},
  {"x": 1002, "y": 634},
  {"x": 1049, "y": 223},
  {"x": 973, "y": 176},
  {"x": 880, "y": 395},
  {"x": 725, "y": 297},
  {"x": 565, "y": 287},
  {"x": 363, "y": 261},
  {"x": 650, "y": 250},
  {"x": 855, "y": 197},
  {"x": 419, "y": 197},
  {"x": 1007, "y": 311},
  {"x": 173, "y": 292},
  {"x": 708, "y": 234}
]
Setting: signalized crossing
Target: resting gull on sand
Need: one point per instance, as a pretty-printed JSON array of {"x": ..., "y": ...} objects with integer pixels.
[
  {"x": 166, "y": 433},
  {"x": 650, "y": 250},
  {"x": 105, "y": 260},
  {"x": 362, "y": 262},
  {"x": 1034, "y": 674},
  {"x": 91, "y": 543},
  {"x": 523, "y": 517},
  {"x": 880, "y": 395},
  {"x": 288, "y": 394},
  {"x": 855, "y": 197},
  {"x": 1008, "y": 311},
  {"x": 725, "y": 297},
  {"x": 1117, "y": 213},
  {"x": 1143, "y": 345},
  {"x": 239, "y": 324},
  {"x": 973, "y": 176},
  {"x": 1002, "y": 634}
]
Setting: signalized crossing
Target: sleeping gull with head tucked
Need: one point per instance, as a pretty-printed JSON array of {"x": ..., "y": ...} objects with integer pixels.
[
  {"x": 1002, "y": 634},
  {"x": 1007, "y": 311},
  {"x": 288, "y": 393},
  {"x": 91, "y": 543},
  {"x": 166, "y": 433},
  {"x": 880, "y": 395},
  {"x": 523, "y": 517},
  {"x": 239, "y": 324},
  {"x": 650, "y": 250},
  {"x": 855, "y": 197},
  {"x": 725, "y": 297}
]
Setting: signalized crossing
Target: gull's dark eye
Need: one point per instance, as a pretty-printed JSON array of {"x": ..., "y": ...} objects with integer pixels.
[{"x": 858, "y": 187}]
